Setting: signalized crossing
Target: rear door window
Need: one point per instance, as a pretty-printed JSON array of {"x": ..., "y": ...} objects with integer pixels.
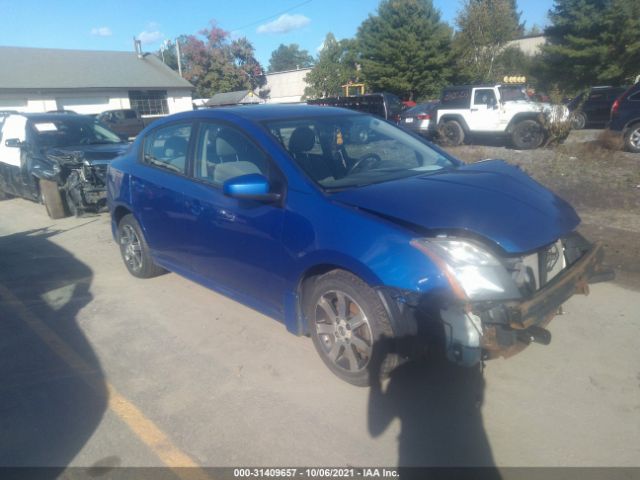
[
  {"x": 166, "y": 147},
  {"x": 223, "y": 152}
]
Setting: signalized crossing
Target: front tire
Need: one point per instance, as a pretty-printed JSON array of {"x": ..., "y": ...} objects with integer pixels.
[
  {"x": 527, "y": 135},
  {"x": 134, "y": 249},
  {"x": 350, "y": 328},
  {"x": 632, "y": 138},
  {"x": 52, "y": 199}
]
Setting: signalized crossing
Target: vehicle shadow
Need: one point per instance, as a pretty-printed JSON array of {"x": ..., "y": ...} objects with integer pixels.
[
  {"x": 439, "y": 406},
  {"x": 53, "y": 393}
]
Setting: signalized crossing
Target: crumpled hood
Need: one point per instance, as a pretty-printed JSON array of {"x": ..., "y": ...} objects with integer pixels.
[
  {"x": 491, "y": 199},
  {"x": 94, "y": 154}
]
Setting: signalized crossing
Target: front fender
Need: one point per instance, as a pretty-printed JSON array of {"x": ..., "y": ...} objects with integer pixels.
[{"x": 44, "y": 169}]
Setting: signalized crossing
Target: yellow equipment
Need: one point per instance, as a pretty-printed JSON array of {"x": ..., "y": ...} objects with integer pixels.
[{"x": 358, "y": 86}]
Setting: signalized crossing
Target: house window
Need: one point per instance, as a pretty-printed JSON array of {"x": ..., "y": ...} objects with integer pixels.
[{"x": 149, "y": 102}]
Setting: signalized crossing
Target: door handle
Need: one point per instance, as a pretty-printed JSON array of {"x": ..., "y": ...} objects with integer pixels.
[{"x": 226, "y": 215}]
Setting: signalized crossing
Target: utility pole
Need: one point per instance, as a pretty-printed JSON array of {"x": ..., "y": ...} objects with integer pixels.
[{"x": 178, "y": 56}]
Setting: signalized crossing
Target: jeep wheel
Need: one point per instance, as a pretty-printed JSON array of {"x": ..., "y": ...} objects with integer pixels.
[
  {"x": 52, "y": 198},
  {"x": 578, "y": 120},
  {"x": 451, "y": 133},
  {"x": 632, "y": 138},
  {"x": 527, "y": 135}
]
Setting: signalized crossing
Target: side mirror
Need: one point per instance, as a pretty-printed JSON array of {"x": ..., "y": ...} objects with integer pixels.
[
  {"x": 250, "y": 187},
  {"x": 13, "y": 143}
]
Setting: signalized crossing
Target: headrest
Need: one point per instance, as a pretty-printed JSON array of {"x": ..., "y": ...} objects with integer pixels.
[{"x": 302, "y": 140}]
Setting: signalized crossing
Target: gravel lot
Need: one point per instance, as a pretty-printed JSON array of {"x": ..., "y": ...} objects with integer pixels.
[{"x": 103, "y": 369}]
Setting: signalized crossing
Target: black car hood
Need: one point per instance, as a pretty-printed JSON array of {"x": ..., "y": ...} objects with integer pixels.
[
  {"x": 490, "y": 199},
  {"x": 93, "y": 154}
]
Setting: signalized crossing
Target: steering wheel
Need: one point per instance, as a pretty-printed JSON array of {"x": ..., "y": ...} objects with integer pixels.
[{"x": 367, "y": 162}]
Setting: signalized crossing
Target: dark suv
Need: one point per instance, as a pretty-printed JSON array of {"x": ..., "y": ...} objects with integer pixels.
[
  {"x": 625, "y": 118},
  {"x": 592, "y": 108},
  {"x": 385, "y": 105}
]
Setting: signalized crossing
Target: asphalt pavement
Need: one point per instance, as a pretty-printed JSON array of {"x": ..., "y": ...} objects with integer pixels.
[{"x": 100, "y": 368}]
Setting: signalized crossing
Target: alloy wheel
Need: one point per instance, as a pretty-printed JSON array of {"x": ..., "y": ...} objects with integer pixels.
[
  {"x": 131, "y": 248},
  {"x": 344, "y": 331},
  {"x": 634, "y": 138}
]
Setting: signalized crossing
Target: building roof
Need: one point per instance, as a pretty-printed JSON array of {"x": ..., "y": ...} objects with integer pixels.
[
  {"x": 48, "y": 68},
  {"x": 233, "y": 98}
]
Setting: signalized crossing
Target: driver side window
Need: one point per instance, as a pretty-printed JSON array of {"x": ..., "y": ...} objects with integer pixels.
[{"x": 485, "y": 96}]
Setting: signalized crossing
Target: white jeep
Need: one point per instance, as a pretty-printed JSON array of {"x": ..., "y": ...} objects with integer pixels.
[{"x": 495, "y": 110}]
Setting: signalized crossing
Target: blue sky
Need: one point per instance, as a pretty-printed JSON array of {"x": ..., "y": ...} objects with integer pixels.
[{"x": 111, "y": 25}]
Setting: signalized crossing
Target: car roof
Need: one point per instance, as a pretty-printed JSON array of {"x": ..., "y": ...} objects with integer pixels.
[{"x": 259, "y": 113}]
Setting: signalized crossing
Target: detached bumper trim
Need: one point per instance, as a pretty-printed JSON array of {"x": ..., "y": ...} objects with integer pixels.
[{"x": 546, "y": 302}]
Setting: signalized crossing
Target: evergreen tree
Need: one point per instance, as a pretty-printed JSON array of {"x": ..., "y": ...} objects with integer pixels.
[
  {"x": 335, "y": 66},
  {"x": 484, "y": 29},
  {"x": 592, "y": 42},
  {"x": 405, "y": 49},
  {"x": 289, "y": 57}
]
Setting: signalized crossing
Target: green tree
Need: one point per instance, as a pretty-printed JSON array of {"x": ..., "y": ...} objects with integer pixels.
[
  {"x": 484, "y": 29},
  {"x": 289, "y": 57},
  {"x": 592, "y": 42},
  {"x": 213, "y": 63},
  {"x": 335, "y": 66},
  {"x": 513, "y": 61},
  {"x": 405, "y": 49}
]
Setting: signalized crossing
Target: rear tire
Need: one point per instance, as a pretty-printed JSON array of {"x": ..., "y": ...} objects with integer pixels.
[
  {"x": 527, "y": 135},
  {"x": 632, "y": 138},
  {"x": 350, "y": 328},
  {"x": 52, "y": 199},
  {"x": 134, "y": 249},
  {"x": 578, "y": 120},
  {"x": 451, "y": 133}
]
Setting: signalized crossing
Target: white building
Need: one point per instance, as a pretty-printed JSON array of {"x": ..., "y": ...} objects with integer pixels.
[
  {"x": 287, "y": 86},
  {"x": 530, "y": 45},
  {"x": 89, "y": 82}
]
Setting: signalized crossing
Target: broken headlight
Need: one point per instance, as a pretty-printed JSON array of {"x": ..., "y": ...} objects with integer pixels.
[{"x": 473, "y": 272}]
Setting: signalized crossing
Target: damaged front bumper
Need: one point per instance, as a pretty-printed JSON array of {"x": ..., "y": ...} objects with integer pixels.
[
  {"x": 475, "y": 331},
  {"x": 511, "y": 326},
  {"x": 86, "y": 187}
]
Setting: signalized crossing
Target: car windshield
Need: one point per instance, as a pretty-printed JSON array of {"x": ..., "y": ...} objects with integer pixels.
[
  {"x": 513, "y": 93},
  {"x": 67, "y": 130},
  {"x": 345, "y": 151}
]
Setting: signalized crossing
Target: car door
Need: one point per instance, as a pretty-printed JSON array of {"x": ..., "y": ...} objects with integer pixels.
[
  {"x": 12, "y": 157},
  {"x": 158, "y": 189},
  {"x": 483, "y": 115},
  {"x": 237, "y": 241},
  {"x": 595, "y": 106}
]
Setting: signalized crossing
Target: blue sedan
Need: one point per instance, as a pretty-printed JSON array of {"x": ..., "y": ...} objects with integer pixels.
[{"x": 350, "y": 230}]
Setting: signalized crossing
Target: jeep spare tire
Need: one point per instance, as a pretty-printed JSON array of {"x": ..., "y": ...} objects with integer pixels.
[
  {"x": 527, "y": 135},
  {"x": 451, "y": 133}
]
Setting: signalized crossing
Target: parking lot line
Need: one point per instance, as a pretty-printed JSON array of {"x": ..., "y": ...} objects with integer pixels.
[{"x": 147, "y": 431}]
